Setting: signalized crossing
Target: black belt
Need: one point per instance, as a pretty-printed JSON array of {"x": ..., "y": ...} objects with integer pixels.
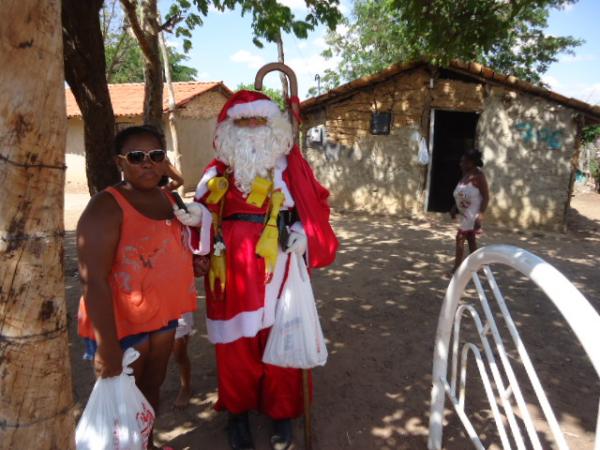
[
  {"x": 285, "y": 219},
  {"x": 255, "y": 218}
]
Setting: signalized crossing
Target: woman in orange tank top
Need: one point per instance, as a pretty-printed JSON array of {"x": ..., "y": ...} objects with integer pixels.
[{"x": 135, "y": 268}]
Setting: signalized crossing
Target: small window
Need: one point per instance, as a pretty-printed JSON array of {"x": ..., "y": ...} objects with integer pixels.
[
  {"x": 380, "y": 122},
  {"x": 316, "y": 135}
]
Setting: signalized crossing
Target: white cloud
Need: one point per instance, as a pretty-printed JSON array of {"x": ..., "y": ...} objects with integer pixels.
[
  {"x": 213, "y": 9},
  {"x": 294, "y": 4},
  {"x": 319, "y": 43},
  {"x": 577, "y": 58},
  {"x": 551, "y": 81},
  {"x": 204, "y": 76},
  {"x": 252, "y": 60},
  {"x": 300, "y": 5},
  {"x": 586, "y": 92},
  {"x": 342, "y": 29},
  {"x": 312, "y": 64},
  {"x": 174, "y": 43},
  {"x": 344, "y": 7},
  {"x": 589, "y": 93},
  {"x": 307, "y": 67}
]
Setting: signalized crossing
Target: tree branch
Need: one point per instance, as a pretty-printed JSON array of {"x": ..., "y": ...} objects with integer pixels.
[
  {"x": 170, "y": 24},
  {"x": 150, "y": 16},
  {"x": 130, "y": 9},
  {"x": 116, "y": 57}
]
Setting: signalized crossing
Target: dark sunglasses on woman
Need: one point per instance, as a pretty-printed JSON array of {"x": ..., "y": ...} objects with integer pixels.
[{"x": 139, "y": 156}]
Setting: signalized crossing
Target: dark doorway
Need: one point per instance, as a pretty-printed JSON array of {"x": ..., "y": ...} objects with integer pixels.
[{"x": 453, "y": 134}]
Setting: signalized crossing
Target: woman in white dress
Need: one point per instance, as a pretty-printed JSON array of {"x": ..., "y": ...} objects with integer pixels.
[{"x": 471, "y": 197}]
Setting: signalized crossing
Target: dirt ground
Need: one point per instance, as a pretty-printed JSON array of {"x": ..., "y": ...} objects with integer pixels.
[{"x": 379, "y": 305}]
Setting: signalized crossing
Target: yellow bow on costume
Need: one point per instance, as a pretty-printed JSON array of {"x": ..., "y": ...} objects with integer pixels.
[
  {"x": 268, "y": 245},
  {"x": 217, "y": 187},
  {"x": 261, "y": 187},
  {"x": 217, "y": 269}
]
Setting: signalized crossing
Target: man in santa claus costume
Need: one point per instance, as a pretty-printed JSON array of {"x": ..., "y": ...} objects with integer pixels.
[{"x": 265, "y": 204}]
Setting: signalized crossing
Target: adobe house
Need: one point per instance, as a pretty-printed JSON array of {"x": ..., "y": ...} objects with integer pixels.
[
  {"x": 198, "y": 105},
  {"x": 362, "y": 139}
]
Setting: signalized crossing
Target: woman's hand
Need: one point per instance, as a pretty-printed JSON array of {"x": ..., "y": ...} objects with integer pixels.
[
  {"x": 108, "y": 361},
  {"x": 453, "y": 211},
  {"x": 172, "y": 185},
  {"x": 478, "y": 221}
]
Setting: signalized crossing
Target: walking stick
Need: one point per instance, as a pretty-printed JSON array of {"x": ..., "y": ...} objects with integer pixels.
[{"x": 294, "y": 112}]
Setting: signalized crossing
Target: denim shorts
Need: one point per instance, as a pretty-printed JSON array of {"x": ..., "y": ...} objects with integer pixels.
[{"x": 91, "y": 346}]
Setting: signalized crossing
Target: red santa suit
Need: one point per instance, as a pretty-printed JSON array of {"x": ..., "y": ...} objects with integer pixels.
[{"x": 239, "y": 319}]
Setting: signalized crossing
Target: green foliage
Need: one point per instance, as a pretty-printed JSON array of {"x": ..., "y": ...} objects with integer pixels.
[
  {"x": 124, "y": 62},
  {"x": 269, "y": 18},
  {"x": 591, "y": 134},
  {"x": 124, "y": 59},
  {"x": 595, "y": 169},
  {"x": 274, "y": 94},
  {"x": 507, "y": 36}
]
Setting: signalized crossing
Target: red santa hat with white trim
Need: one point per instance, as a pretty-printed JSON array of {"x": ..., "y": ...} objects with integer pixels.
[{"x": 249, "y": 104}]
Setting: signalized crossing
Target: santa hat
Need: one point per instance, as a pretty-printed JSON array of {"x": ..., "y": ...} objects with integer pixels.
[{"x": 249, "y": 104}]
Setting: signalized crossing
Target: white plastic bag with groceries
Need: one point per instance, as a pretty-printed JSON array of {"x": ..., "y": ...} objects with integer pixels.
[
  {"x": 296, "y": 338},
  {"x": 117, "y": 415}
]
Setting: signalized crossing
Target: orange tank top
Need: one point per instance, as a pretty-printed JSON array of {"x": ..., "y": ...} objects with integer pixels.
[{"x": 152, "y": 277}]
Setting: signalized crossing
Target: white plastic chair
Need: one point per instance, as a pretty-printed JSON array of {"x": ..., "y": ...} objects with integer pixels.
[{"x": 576, "y": 310}]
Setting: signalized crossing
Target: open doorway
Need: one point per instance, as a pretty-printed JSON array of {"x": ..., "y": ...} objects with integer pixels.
[{"x": 453, "y": 134}]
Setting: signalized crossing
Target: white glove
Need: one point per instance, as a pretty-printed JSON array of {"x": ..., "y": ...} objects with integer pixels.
[
  {"x": 296, "y": 243},
  {"x": 191, "y": 218}
]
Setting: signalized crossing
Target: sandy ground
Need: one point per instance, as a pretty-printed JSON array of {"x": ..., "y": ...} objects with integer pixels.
[{"x": 379, "y": 305}]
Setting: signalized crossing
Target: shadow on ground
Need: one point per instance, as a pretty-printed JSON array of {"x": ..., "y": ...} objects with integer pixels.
[{"x": 379, "y": 305}]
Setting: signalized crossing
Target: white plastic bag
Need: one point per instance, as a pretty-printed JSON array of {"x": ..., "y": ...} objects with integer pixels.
[
  {"x": 117, "y": 415},
  {"x": 296, "y": 338},
  {"x": 423, "y": 155}
]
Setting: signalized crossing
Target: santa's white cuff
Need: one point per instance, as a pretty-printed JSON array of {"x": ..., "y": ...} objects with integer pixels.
[
  {"x": 298, "y": 228},
  {"x": 204, "y": 241}
]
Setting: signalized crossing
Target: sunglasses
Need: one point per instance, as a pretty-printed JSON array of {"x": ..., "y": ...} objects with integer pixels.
[{"x": 139, "y": 156}]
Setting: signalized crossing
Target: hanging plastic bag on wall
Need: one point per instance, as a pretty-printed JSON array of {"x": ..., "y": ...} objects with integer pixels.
[
  {"x": 296, "y": 338},
  {"x": 423, "y": 152},
  {"x": 117, "y": 415}
]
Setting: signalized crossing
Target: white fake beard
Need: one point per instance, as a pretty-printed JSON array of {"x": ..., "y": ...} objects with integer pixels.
[{"x": 252, "y": 152}]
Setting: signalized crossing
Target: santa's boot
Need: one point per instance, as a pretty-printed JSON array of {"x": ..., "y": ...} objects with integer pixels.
[
  {"x": 282, "y": 434},
  {"x": 238, "y": 432}
]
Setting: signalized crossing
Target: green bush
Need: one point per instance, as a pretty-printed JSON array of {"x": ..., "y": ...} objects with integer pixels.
[{"x": 595, "y": 172}]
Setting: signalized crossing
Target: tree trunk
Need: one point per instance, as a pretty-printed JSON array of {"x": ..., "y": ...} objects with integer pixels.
[
  {"x": 35, "y": 375},
  {"x": 146, "y": 29},
  {"x": 153, "y": 88},
  {"x": 153, "y": 78},
  {"x": 85, "y": 70},
  {"x": 172, "y": 109}
]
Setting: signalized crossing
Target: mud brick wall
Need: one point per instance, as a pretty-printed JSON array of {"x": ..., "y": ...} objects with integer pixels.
[
  {"x": 363, "y": 171},
  {"x": 196, "y": 123},
  {"x": 205, "y": 106},
  {"x": 528, "y": 145},
  {"x": 381, "y": 173}
]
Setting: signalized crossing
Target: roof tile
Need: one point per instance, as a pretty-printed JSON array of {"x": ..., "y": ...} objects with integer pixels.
[{"x": 128, "y": 98}]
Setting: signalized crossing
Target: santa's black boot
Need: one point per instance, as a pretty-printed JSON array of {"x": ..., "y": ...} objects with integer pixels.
[
  {"x": 282, "y": 434},
  {"x": 238, "y": 432}
]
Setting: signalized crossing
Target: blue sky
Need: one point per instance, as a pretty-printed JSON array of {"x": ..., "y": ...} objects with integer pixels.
[{"x": 223, "y": 50}]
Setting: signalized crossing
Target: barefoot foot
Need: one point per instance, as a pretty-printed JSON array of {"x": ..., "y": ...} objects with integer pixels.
[{"x": 183, "y": 398}]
